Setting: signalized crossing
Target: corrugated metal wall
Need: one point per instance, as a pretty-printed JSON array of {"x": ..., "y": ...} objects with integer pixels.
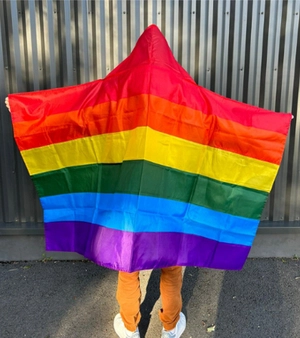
[{"x": 246, "y": 50}]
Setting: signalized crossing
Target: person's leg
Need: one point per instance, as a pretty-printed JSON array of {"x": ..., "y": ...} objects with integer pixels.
[
  {"x": 129, "y": 297},
  {"x": 170, "y": 289}
]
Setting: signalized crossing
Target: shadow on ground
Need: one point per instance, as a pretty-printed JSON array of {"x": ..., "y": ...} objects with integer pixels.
[
  {"x": 262, "y": 300},
  {"x": 77, "y": 300}
]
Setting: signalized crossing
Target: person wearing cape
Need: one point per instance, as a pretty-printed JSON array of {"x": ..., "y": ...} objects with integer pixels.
[{"x": 145, "y": 169}]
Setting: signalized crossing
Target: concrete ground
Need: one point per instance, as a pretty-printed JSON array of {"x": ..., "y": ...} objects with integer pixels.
[{"x": 76, "y": 299}]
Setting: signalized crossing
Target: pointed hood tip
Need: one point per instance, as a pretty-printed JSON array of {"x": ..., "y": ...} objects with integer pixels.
[
  {"x": 151, "y": 46},
  {"x": 152, "y": 30},
  {"x": 153, "y": 27}
]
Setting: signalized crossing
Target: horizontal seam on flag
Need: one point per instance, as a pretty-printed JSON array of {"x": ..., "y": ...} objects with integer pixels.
[
  {"x": 196, "y": 97},
  {"x": 111, "y": 108},
  {"x": 150, "y": 179},
  {"x": 207, "y": 129},
  {"x": 135, "y": 214},
  {"x": 145, "y": 143}
]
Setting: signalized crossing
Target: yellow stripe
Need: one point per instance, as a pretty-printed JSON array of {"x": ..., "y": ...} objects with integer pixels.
[{"x": 146, "y": 144}]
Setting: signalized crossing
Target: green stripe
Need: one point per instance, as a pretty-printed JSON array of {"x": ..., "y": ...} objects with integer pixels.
[{"x": 149, "y": 179}]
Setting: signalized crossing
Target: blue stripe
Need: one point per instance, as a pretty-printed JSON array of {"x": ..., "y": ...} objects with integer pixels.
[{"x": 149, "y": 214}]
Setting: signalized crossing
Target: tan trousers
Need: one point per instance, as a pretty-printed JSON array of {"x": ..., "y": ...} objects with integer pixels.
[{"x": 129, "y": 297}]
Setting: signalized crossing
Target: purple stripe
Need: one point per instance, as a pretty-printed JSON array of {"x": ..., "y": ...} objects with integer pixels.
[{"x": 128, "y": 251}]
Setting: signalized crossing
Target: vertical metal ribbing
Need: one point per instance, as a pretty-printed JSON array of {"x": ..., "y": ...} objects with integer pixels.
[
  {"x": 292, "y": 207},
  {"x": 256, "y": 46},
  {"x": 32, "y": 47},
  {"x": 206, "y": 43},
  {"x": 229, "y": 67},
  {"x": 142, "y": 13},
  {"x": 49, "y": 42},
  {"x": 214, "y": 45},
  {"x": 239, "y": 49},
  {"x": 137, "y": 22},
  {"x": 247, "y": 50},
  {"x": 93, "y": 37},
  {"x": 175, "y": 28},
  {"x": 59, "y": 43},
  {"x": 90, "y": 42},
  {"x": 40, "y": 36},
  {"x": 155, "y": 8},
  {"x": 25, "y": 48},
  {"x": 15, "y": 38},
  {"x": 2, "y": 70},
  {"x": 30, "y": 74},
  {"x": 157, "y": 18},
  {"x": 289, "y": 59},
  {"x": 169, "y": 19},
  {"x": 272, "y": 55},
  {"x": 150, "y": 7},
  {"x": 75, "y": 36},
  {"x": 77, "y": 50},
  {"x": 122, "y": 30},
  {"x": 223, "y": 21},
  {"x": 268, "y": 81},
  {"x": 132, "y": 23},
  {"x": 186, "y": 38},
  {"x": 193, "y": 37},
  {"x": 107, "y": 24},
  {"x": 163, "y": 17},
  {"x": 128, "y": 29},
  {"x": 12, "y": 58},
  {"x": 2, "y": 95},
  {"x": 4, "y": 134},
  {"x": 25, "y": 210},
  {"x": 279, "y": 191},
  {"x": 265, "y": 39},
  {"x": 86, "y": 43},
  {"x": 180, "y": 30},
  {"x": 196, "y": 51},
  {"x": 14, "y": 181},
  {"x": 247, "y": 46},
  {"x": 292, "y": 203},
  {"x": 152, "y": 13},
  {"x": 203, "y": 24},
  {"x": 65, "y": 31},
  {"x": 6, "y": 51},
  {"x": 116, "y": 43},
  {"x": 101, "y": 48},
  {"x": 123, "y": 34}
]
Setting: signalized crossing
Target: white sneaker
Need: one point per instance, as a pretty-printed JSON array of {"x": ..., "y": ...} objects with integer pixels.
[
  {"x": 177, "y": 331},
  {"x": 121, "y": 330}
]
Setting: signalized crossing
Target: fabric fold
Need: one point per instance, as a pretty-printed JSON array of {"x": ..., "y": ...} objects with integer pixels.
[{"x": 145, "y": 169}]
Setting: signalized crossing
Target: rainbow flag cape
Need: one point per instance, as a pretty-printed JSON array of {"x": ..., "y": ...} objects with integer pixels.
[{"x": 145, "y": 169}]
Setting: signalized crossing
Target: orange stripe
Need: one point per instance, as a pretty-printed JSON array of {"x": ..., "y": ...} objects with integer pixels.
[
  {"x": 175, "y": 88},
  {"x": 127, "y": 114}
]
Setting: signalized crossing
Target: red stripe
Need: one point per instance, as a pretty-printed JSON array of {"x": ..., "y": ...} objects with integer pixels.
[
  {"x": 131, "y": 113},
  {"x": 170, "y": 86}
]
